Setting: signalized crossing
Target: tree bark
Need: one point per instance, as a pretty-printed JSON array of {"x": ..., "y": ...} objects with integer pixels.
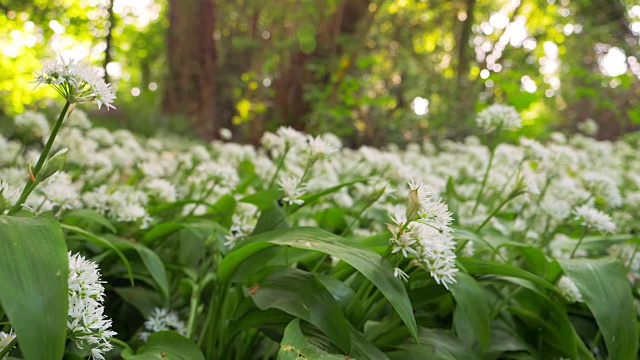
[
  {"x": 190, "y": 87},
  {"x": 290, "y": 102},
  {"x": 109, "y": 41}
]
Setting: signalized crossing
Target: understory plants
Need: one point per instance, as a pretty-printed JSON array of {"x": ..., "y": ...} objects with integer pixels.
[{"x": 138, "y": 248}]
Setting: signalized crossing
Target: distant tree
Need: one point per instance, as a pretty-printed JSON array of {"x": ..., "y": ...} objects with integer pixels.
[{"x": 190, "y": 87}]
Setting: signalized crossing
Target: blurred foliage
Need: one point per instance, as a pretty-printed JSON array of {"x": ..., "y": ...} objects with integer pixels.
[{"x": 407, "y": 70}]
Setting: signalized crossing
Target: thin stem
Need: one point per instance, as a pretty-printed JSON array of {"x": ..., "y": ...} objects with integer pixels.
[
  {"x": 584, "y": 231},
  {"x": 7, "y": 349},
  {"x": 633, "y": 255},
  {"x": 31, "y": 185},
  {"x": 193, "y": 310},
  {"x": 280, "y": 165},
  {"x": 484, "y": 180},
  {"x": 118, "y": 342},
  {"x": 494, "y": 212}
]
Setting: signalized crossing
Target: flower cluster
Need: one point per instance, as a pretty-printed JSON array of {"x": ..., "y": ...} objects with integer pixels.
[
  {"x": 421, "y": 229},
  {"x": 87, "y": 325},
  {"x": 163, "y": 320},
  {"x": 595, "y": 219},
  {"x": 498, "y": 116},
  {"x": 77, "y": 82}
]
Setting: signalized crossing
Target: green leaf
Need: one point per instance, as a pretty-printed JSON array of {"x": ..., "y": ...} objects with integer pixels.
[
  {"x": 373, "y": 266},
  {"x": 143, "y": 299},
  {"x": 606, "y": 292},
  {"x": 471, "y": 318},
  {"x": 152, "y": 263},
  {"x": 34, "y": 272},
  {"x": 272, "y": 217},
  {"x": 482, "y": 267},
  {"x": 295, "y": 347},
  {"x": 89, "y": 216},
  {"x": 161, "y": 230},
  {"x": 300, "y": 294},
  {"x": 168, "y": 345},
  {"x": 102, "y": 243},
  {"x": 434, "y": 344}
]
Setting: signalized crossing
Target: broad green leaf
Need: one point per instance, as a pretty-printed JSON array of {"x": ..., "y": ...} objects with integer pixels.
[
  {"x": 151, "y": 261},
  {"x": 605, "y": 289},
  {"x": 102, "y": 243},
  {"x": 262, "y": 199},
  {"x": 143, "y": 299},
  {"x": 272, "y": 217},
  {"x": 370, "y": 264},
  {"x": 88, "y": 216},
  {"x": 161, "y": 230},
  {"x": 471, "y": 318},
  {"x": 478, "y": 266},
  {"x": 300, "y": 294},
  {"x": 34, "y": 271},
  {"x": 168, "y": 345},
  {"x": 434, "y": 344},
  {"x": 361, "y": 348},
  {"x": 295, "y": 347}
]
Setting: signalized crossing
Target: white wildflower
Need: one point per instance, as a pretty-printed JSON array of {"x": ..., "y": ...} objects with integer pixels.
[
  {"x": 596, "y": 219},
  {"x": 569, "y": 290},
  {"x": 32, "y": 125},
  {"x": 292, "y": 189},
  {"x": 226, "y": 134},
  {"x": 291, "y": 137},
  {"x": 77, "y": 82},
  {"x": 87, "y": 325},
  {"x": 319, "y": 148},
  {"x": 397, "y": 272},
  {"x": 5, "y": 339},
  {"x": 500, "y": 116},
  {"x": 162, "y": 190},
  {"x": 163, "y": 320}
]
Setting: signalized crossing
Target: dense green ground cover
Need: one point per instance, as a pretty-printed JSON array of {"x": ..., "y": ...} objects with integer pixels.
[{"x": 305, "y": 249}]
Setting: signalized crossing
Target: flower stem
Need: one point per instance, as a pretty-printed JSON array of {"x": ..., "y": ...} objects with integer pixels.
[
  {"x": 584, "y": 231},
  {"x": 484, "y": 180},
  {"x": 31, "y": 185}
]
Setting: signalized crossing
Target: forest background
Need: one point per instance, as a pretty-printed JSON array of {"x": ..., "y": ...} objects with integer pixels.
[{"x": 371, "y": 71}]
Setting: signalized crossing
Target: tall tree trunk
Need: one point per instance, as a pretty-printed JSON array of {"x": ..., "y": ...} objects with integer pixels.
[
  {"x": 463, "y": 106},
  {"x": 190, "y": 87},
  {"x": 109, "y": 40},
  {"x": 290, "y": 101}
]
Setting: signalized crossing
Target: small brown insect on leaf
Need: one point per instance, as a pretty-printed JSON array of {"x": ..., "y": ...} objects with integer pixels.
[
  {"x": 254, "y": 288},
  {"x": 163, "y": 354}
]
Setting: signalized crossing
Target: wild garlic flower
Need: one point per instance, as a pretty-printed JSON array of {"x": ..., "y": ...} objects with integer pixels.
[
  {"x": 77, "y": 82},
  {"x": 319, "y": 148},
  {"x": 500, "y": 116},
  {"x": 595, "y": 219},
  {"x": 569, "y": 290},
  {"x": 292, "y": 189},
  {"x": 5, "y": 339},
  {"x": 397, "y": 272},
  {"x": 421, "y": 231},
  {"x": 32, "y": 125},
  {"x": 291, "y": 137},
  {"x": 163, "y": 320},
  {"x": 87, "y": 326}
]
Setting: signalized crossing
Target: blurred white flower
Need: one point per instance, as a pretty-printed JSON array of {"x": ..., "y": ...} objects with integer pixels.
[
  {"x": 595, "y": 219},
  {"x": 163, "y": 320},
  {"x": 569, "y": 290},
  {"x": 498, "y": 116}
]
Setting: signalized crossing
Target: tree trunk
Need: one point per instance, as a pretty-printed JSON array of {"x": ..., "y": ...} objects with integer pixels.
[
  {"x": 109, "y": 40},
  {"x": 290, "y": 102},
  {"x": 191, "y": 80}
]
